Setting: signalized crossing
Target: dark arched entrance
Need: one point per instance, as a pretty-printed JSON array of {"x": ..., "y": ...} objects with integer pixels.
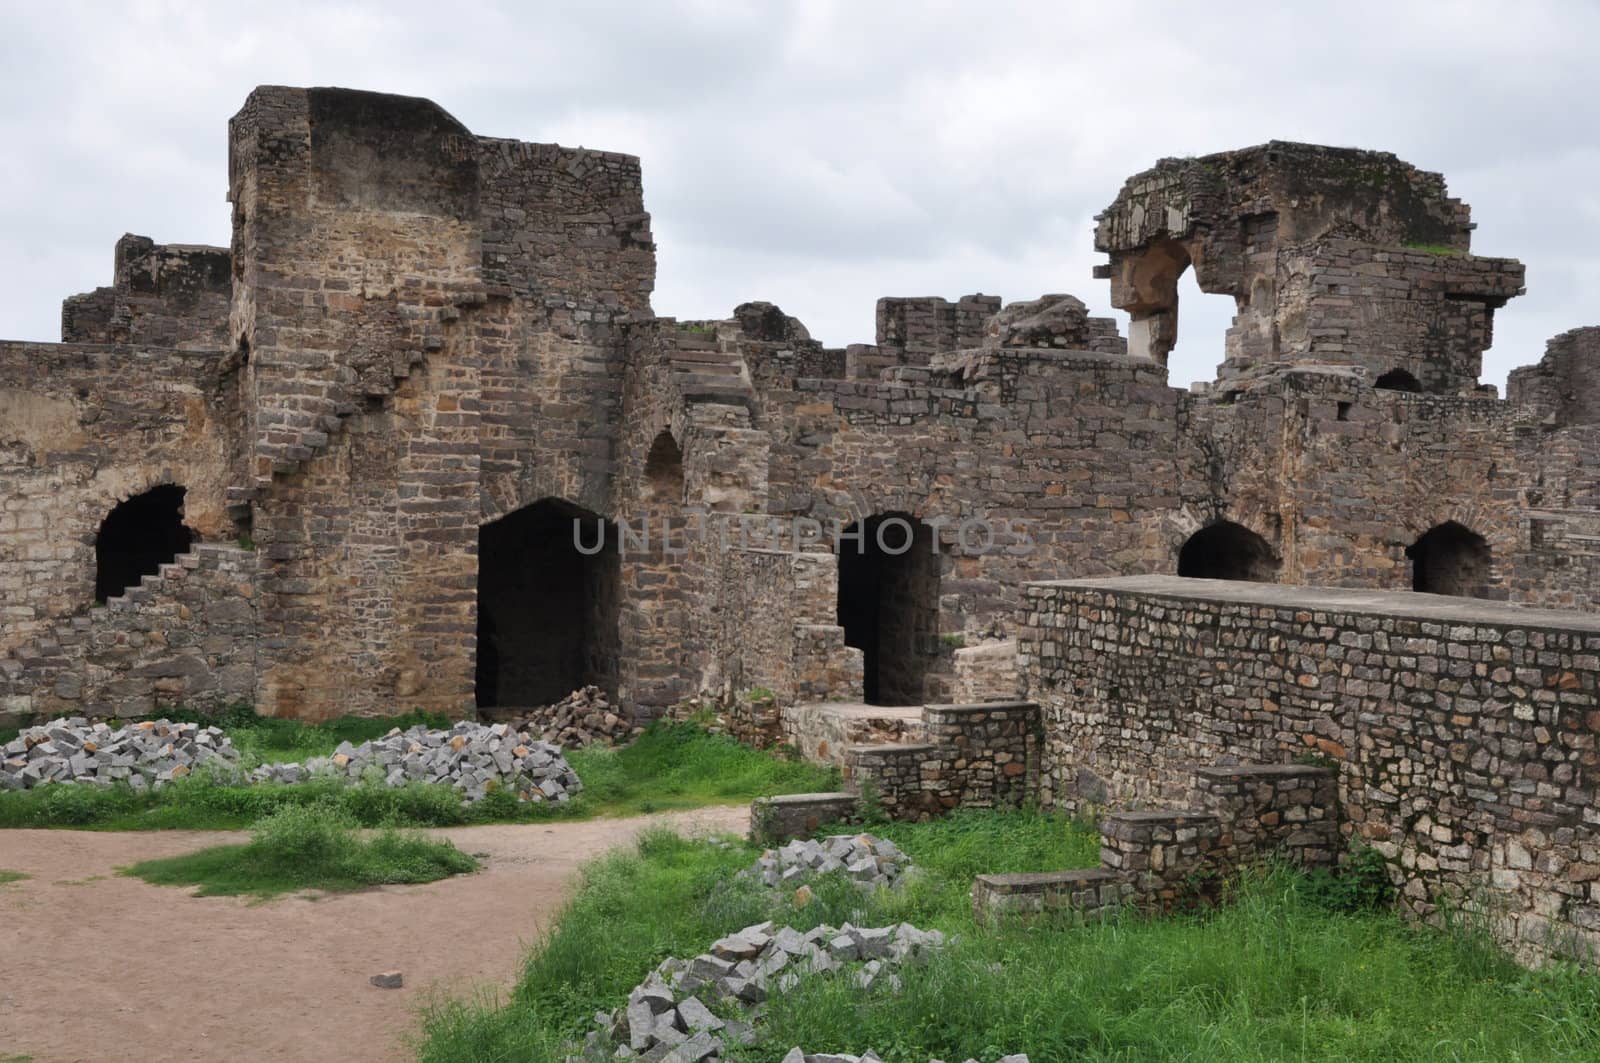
[
  {"x": 1226, "y": 550},
  {"x": 138, "y": 537},
  {"x": 889, "y": 604},
  {"x": 547, "y": 610},
  {"x": 1450, "y": 558},
  {"x": 1398, "y": 380}
]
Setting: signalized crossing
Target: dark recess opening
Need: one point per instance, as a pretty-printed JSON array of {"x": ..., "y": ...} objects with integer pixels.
[
  {"x": 663, "y": 470},
  {"x": 889, "y": 604},
  {"x": 138, "y": 537},
  {"x": 1450, "y": 559},
  {"x": 547, "y": 612},
  {"x": 1398, "y": 380},
  {"x": 1226, "y": 550}
]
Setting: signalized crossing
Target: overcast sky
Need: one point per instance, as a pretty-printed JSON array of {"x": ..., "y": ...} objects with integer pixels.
[{"x": 819, "y": 154}]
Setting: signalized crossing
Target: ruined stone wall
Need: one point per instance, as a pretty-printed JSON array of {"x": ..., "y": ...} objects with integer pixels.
[
  {"x": 162, "y": 295},
  {"x": 1331, "y": 255},
  {"x": 185, "y": 638},
  {"x": 566, "y": 243},
  {"x": 356, "y": 246},
  {"x": 1463, "y": 732},
  {"x": 1564, "y": 387},
  {"x": 83, "y": 428},
  {"x": 770, "y": 618}
]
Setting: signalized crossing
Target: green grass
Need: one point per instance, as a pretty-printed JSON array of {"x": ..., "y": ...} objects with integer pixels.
[
  {"x": 308, "y": 847},
  {"x": 10, "y": 876},
  {"x": 1434, "y": 249},
  {"x": 670, "y": 766},
  {"x": 1275, "y": 974}
]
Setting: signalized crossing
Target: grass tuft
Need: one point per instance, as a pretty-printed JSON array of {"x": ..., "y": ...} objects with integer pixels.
[
  {"x": 10, "y": 876},
  {"x": 308, "y": 847}
]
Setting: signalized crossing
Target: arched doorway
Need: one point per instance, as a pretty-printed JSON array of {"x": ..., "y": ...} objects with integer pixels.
[
  {"x": 1226, "y": 550},
  {"x": 138, "y": 537},
  {"x": 889, "y": 604},
  {"x": 548, "y": 595},
  {"x": 1450, "y": 558},
  {"x": 1398, "y": 380}
]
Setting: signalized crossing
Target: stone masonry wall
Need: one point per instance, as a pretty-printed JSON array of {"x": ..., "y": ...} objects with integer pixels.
[
  {"x": 974, "y": 756},
  {"x": 184, "y": 638},
  {"x": 1463, "y": 732},
  {"x": 83, "y": 428}
]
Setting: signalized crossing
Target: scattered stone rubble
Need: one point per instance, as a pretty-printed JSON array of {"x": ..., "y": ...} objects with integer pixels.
[
  {"x": 869, "y": 861},
  {"x": 668, "y": 1017},
  {"x": 582, "y": 717},
  {"x": 474, "y": 758},
  {"x": 145, "y": 754}
]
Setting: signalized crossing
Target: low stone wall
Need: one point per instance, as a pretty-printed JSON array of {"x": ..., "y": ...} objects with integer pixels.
[
  {"x": 777, "y": 819},
  {"x": 823, "y": 732},
  {"x": 184, "y": 638},
  {"x": 976, "y": 756},
  {"x": 1163, "y": 860},
  {"x": 1461, "y": 733}
]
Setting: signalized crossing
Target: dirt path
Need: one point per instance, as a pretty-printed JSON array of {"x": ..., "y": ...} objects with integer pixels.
[{"x": 98, "y": 966}]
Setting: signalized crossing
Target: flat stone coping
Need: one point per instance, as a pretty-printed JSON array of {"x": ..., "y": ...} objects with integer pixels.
[
  {"x": 1043, "y": 881},
  {"x": 985, "y": 706},
  {"x": 860, "y": 710},
  {"x": 1408, "y": 604},
  {"x": 891, "y": 748},
  {"x": 837, "y": 797}
]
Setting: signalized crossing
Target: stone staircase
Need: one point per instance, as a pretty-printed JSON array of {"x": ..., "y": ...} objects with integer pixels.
[
  {"x": 705, "y": 373},
  {"x": 168, "y": 641},
  {"x": 1163, "y": 860}
]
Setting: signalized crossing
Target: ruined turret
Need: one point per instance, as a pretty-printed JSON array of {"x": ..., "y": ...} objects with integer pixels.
[{"x": 1333, "y": 256}]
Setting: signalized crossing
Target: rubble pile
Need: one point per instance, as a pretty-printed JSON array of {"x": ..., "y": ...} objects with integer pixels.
[
  {"x": 582, "y": 717},
  {"x": 145, "y": 754},
  {"x": 668, "y": 1015},
  {"x": 867, "y": 860},
  {"x": 474, "y": 758}
]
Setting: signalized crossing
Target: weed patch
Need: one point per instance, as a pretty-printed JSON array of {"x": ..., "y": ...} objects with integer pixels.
[
  {"x": 1288, "y": 969},
  {"x": 308, "y": 847}
]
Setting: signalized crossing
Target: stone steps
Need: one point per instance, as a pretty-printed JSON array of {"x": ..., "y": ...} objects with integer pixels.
[
  {"x": 1162, "y": 860},
  {"x": 46, "y": 656}
]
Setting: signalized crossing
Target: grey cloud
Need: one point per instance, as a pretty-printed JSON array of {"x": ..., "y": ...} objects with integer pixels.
[{"x": 823, "y": 154}]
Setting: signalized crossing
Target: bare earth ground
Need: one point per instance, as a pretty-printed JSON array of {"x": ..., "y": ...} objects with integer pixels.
[{"x": 98, "y": 966}]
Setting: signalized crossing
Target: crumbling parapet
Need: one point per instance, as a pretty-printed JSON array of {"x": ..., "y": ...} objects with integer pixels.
[
  {"x": 1564, "y": 387},
  {"x": 161, "y": 295},
  {"x": 1331, "y": 255}
]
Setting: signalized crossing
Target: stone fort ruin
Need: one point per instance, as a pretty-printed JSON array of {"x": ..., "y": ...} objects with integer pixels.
[{"x": 336, "y": 466}]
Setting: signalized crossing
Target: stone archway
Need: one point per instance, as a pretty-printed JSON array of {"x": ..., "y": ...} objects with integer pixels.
[
  {"x": 137, "y": 537},
  {"x": 1451, "y": 558},
  {"x": 548, "y": 601},
  {"x": 1225, "y": 550}
]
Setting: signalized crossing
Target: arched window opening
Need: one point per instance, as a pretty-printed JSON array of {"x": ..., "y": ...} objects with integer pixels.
[
  {"x": 889, "y": 604},
  {"x": 138, "y": 537},
  {"x": 1398, "y": 380},
  {"x": 663, "y": 470},
  {"x": 1450, "y": 559},
  {"x": 1226, "y": 550},
  {"x": 547, "y": 610}
]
